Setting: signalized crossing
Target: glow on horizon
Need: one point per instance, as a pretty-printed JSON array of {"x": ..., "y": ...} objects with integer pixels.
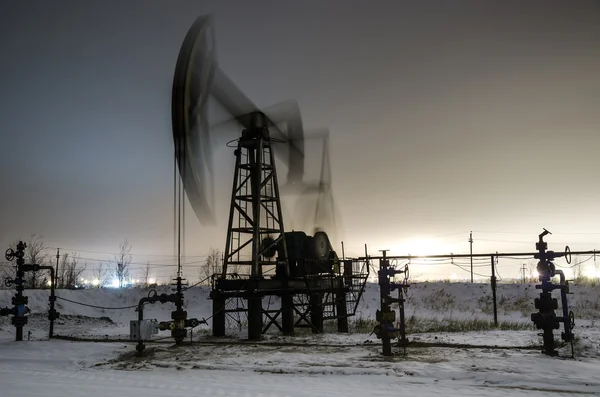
[{"x": 421, "y": 246}]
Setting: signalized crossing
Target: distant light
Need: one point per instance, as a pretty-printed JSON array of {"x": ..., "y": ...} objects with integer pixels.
[
  {"x": 453, "y": 277},
  {"x": 115, "y": 283},
  {"x": 49, "y": 283},
  {"x": 151, "y": 281},
  {"x": 95, "y": 282}
]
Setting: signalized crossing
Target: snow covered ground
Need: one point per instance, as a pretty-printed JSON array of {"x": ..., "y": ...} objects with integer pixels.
[{"x": 484, "y": 362}]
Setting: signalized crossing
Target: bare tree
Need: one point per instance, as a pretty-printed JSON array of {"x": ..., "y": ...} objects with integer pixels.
[
  {"x": 212, "y": 264},
  {"x": 146, "y": 274},
  {"x": 69, "y": 271},
  {"x": 7, "y": 270},
  {"x": 577, "y": 269},
  {"x": 36, "y": 256},
  {"x": 122, "y": 262},
  {"x": 532, "y": 276},
  {"x": 100, "y": 275}
]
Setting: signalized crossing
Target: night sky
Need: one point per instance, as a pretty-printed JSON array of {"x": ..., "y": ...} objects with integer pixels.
[{"x": 444, "y": 117}]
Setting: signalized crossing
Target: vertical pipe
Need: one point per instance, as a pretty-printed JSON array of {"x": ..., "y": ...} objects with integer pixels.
[
  {"x": 384, "y": 290},
  {"x": 19, "y": 301},
  {"x": 140, "y": 343},
  {"x": 52, "y": 314},
  {"x": 343, "y": 254},
  {"x": 402, "y": 335}
]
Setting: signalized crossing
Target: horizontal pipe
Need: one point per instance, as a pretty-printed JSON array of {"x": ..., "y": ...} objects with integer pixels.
[{"x": 524, "y": 254}]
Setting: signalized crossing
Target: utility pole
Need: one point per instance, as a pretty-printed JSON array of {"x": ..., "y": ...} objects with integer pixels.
[
  {"x": 493, "y": 283},
  {"x": 55, "y": 281},
  {"x": 471, "y": 248},
  {"x": 523, "y": 272}
]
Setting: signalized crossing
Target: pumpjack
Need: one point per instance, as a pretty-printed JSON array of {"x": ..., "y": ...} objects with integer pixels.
[{"x": 262, "y": 259}]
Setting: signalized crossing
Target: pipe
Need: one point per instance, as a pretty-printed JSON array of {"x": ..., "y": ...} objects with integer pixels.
[
  {"x": 52, "y": 313},
  {"x": 524, "y": 254},
  {"x": 162, "y": 298}
]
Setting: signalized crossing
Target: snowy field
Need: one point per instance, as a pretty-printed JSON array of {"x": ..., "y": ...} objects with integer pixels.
[{"x": 481, "y": 362}]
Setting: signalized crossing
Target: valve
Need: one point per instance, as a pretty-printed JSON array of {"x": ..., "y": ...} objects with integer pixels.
[
  {"x": 6, "y": 311},
  {"x": 9, "y": 255},
  {"x": 166, "y": 325},
  {"x": 568, "y": 254},
  {"x": 189, "y": 323},
  {"x": 546, "y": 319},
  {"x": 53, "y": 314},
  {"x": 386, "y": 317},
  {"x": 194, "y": 322},
  {"x": 571, "y": 320},
  {"x": 388, "y": 332},
  {"x": 377, "y": 331}
]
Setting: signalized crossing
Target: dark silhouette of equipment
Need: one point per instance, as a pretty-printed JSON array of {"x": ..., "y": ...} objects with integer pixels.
[
  {"x": 19, "y": 301},
  {"x": 546, "y": 319},
  {"x": 388, "y": 329},
  {"x": 142, "y": 329},
  {"x": 312, "y": 284}
]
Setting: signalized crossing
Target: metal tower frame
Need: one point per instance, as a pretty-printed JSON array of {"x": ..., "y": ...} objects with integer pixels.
[
  {"x": 255, "y": 214},
  {"x": 255, "y": 224}
]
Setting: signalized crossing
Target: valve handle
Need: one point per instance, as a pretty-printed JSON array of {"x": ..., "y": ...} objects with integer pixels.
[
  {"x": 405, "y": 281},
  {"x": 571, "y": 319},
  {"x": 9, "y": 255},
  {"x": 8, "y": 282},
  {"x": 568, "y": 254}
]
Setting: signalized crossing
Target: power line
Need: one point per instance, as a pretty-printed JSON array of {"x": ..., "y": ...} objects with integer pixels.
[
  {"x": 132, "y": 254},
  {"x": 151, "y": 265},
  {"x": 526, "y": 233},
  {"x": 96, "y": 307}
]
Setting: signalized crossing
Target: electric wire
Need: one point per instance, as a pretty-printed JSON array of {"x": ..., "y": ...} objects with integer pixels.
[
  {"x": 112, "y": 253},
  {"x": 198, "y": 283},
  {"x": 95, "y": 306},
  {"x": 575, "y": 264}
]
